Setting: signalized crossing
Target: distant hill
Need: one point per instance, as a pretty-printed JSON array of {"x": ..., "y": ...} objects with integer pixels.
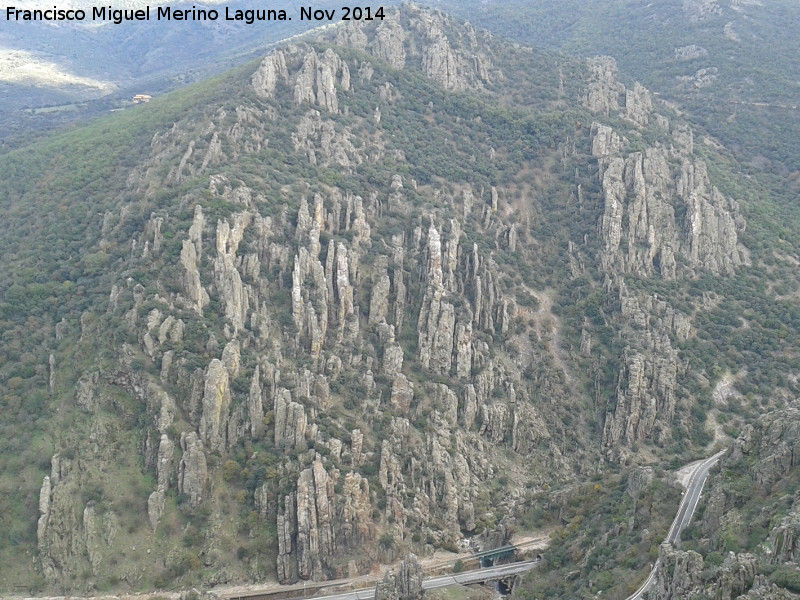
[
  {"x": 76, "y": 70},
  {"x": 732, "y": 65}
]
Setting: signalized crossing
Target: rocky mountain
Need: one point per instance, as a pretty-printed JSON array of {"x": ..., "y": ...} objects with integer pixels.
[
  {"x": 376, "y": 292},
  {"x": 729, "y": 65}
]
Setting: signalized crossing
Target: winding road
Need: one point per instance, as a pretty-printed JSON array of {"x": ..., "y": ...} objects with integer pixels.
[{"x": 686, "y": 510}]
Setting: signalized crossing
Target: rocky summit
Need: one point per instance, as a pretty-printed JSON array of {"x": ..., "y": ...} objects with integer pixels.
[{"x": 396, "y": 288}]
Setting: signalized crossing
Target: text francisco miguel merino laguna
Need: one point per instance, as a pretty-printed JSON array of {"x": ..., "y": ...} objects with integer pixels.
[{"x": 167, "y": 13}]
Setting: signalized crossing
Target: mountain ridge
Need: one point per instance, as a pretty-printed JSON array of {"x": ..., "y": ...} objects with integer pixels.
[{"x": 319, "y": 312}]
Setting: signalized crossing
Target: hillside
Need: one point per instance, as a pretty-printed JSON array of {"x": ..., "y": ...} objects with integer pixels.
[
  {"x": 728, "y": 65},
  {"x": 382, "y": 290}
]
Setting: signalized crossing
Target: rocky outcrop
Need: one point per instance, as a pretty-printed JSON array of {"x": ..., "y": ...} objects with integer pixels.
[
  {"x": 287, "y": 533},
  {"x": 436, "y": 317},
  {"x": 69, "y": 534},
  {"x": 233, "y": 294},
  {"x": 604, "y": 89},
  {"x": 772, "y": 445},
  {"x": 424, "y": 41},
  {"x": 690, "y": 52},
  {"x": 93, "y": 536},
  {"x": 646, "y": 190},
  {"x": 638, "y": 104},
  {"x": 683, "y": 575},
  {"x": 388, "y": 43},
  {"x": 402, "y": 394},
  {"x": 290, "y": 421},
  {"x": 647, "y": 391},
  {"x": 322, "y": 143},
  {"x": 269, "y": 74},
  {"x": 191, "y": 254},
  {"x": 314, "y": 521},
  {"x": 355, "y": 527},
  {"x": 784, "y": 540},
  {"x": 84, "y": 392},
  {"x": 406, "y": 584},
  {"x": 193, "y": 470},
  {"x": 315, "y": 540},
  {"x": 441, "y": 62},
  {"x": 700, "y": 10},
  {"x": 51, "y": 362},
  {"x": 712, "y": 221},
  {"x": 313, "y": 78},
  {"x": 255, "y": 404},
  {"x": 318, "y": 78},
  {"x": 379, "y": 300},
  {"x": 157, "y": 500},
  {"x": 215, "y": 407}
]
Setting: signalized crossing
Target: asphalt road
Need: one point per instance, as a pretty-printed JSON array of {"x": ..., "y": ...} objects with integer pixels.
[
  {"x": 685, "y": 512},
  {"x": 431, "y": 583}
]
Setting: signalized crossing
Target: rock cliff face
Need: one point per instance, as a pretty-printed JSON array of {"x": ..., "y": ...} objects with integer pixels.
[
  {"x": 70, "y": 539},
  {"x": 682, "y": 576},
  {"x": 647, "y": 393},
  {"x": 193, "y": 472},
  {"x": 646, "y": 191},
  {"x": 661, "y": 219}
]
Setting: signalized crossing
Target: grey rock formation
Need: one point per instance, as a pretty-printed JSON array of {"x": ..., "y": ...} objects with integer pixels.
[
  {"x": 785, "y": 539},
  {"x": 270, "y": 72},
  {"x": 290, "y": 421},
  {"x": 60, "y": 533},
  {"x": 773, "y": 444},
  {"x": 195, "y": 292},
  {"x": 287, "y": 533},
  {"x": 157, "y": 500},
  {"x": 355, "y": 527},
  {"x": 84, "y": 392},
  {"x": 645, "y": 190},
  {"x": 392, "y": 359},
  {"x": 406, "y": 584},
  {"x": 93, "y": 536},
  {"x": 402, "y": 394},
  {"x": 388, "y": 43},
  {"x": 216, "y": 406},
  {"x": 379, "y": 300},
  {"x": 320, "y": 141},
  {"x": 690, "y": 52},
  {"x": 647, "y": 392},
  {"x": 604, "y": 89},
  {"x": 638, "y": 104},
  {"x": 315, "y": 514},
  {"x": 234, "y": 294},
  {"x": 700, "y": 10},
  {"x": 318, "y": 78},
  {"x": 52, "y": 379},
  {"x": 193, "y": 470},
  {"x": 436, "y": 317},
  {"x": 255, "y": 404},
  {"x": 231, "y": 358},
  {"x": 683, "y": 575}
]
